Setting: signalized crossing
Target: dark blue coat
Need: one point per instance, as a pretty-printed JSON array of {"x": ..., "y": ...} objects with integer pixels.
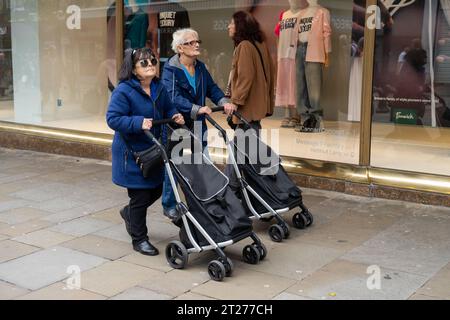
[
  {"x": 128, "y": 107},
  {"x": 185, "y": 99}
]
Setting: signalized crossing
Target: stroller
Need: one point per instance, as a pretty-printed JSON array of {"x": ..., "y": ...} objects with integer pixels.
[
  {"x": 213, "y": 217},
  {"x": 265, "y": 189}
]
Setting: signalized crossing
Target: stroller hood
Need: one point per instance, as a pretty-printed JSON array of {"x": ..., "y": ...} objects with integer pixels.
[{"x": 203, "y": 179}]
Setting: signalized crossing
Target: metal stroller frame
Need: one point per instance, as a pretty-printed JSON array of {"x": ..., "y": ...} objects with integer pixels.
[
  {"x": 280, "y": 230},
  {"x": 176, "y": 252}
]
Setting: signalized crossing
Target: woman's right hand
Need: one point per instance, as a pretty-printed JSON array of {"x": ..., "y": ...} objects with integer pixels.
[
  {"x": 204, "y": 110},
  {"x": 147, "y": 124}
]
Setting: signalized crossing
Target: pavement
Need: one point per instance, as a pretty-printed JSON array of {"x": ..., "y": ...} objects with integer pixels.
[{"x": 61, "y": 237}]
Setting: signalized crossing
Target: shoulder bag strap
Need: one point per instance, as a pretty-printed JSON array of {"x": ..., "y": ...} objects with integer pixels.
[{"x": 262, "y": 62}]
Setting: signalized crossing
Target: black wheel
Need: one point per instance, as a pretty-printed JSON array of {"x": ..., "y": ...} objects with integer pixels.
[
  {"x": 177, "y": 255},
  {"x": 251, "y": 255},
  {"x": 286, "y": 230},
  {"x": 300, "y": 220},
  {"x": 216, "y": 270},
  {"x": 276, "y": 233},
  {"x": 262, "y": 250},
  {"x": 229, "y": 267},
  {"x": 310, "y": 217}
]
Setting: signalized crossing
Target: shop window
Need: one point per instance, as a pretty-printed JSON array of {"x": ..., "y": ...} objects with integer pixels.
[{"x": 411, "y": 115}]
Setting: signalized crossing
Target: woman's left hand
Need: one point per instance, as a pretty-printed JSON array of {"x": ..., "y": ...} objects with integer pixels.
[{"x": 178, "y": 118}]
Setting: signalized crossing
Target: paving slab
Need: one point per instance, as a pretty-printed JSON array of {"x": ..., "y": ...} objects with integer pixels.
[
  {"x": 178, "y": 282},
  {"x": 21, "y": 215},
  {"x": 24, "y": 228},
  {"x": 343, "y": 280},
  {"x": 115, "y": 277},
  {"x": 438, "y": 286},
  {"x": 81, "y": 227},
  {"x": 139, "y": 293},
  {"x": 9, "y": 291},
  {"x": 10, "y": 250},
  {"x": 245, "y": 284},
  {"x": 100, "y": 247},
  {"x": 61, "y": 291},
  {"x": 193, "y": 296},
  {"x": 43, "y": 238},
  {"x": 418, "y": 245},
  {"x": 40, "y": 269}
]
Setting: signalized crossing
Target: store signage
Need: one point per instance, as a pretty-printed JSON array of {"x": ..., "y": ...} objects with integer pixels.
[
  {"x": 405, "y": 116},
  {"x": 394, "y": 5}
]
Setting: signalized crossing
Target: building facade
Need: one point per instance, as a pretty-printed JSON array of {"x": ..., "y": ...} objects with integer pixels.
[{"x": 385, "y": 94}]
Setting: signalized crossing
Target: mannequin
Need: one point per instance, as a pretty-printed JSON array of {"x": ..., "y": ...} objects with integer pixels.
[
  {"x": 136, "y": 26},
  {"x": 313, "y": 49},
  {"x": 171, "y": 17},
  {"x": 286, "y": 91}
]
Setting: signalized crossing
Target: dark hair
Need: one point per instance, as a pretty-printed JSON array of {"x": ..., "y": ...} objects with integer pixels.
[
  {"x": 132, "y": 56},
  {"x": 247, "y": 28}
]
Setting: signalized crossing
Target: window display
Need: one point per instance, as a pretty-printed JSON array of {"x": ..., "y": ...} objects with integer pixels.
[{"x": 412, "y": 88}]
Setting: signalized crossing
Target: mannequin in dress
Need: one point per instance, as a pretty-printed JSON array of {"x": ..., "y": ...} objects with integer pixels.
[
  {"x": 286, "y": 87},
  {"x": 314, "y": 46}
]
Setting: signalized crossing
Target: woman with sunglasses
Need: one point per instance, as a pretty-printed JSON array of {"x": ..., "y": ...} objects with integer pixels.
[
  {"x": 189, "y": 84},
  {"x": 139, "y": 99}
]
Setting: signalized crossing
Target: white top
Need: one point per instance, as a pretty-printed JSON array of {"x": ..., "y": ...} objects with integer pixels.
[
  {"x": 306, "y": 20},
  {"x": 288, "y": 25}
]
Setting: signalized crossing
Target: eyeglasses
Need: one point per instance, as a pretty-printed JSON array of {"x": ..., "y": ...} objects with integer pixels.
[
  {"x": 192, "y": 43},
  {"x": 144, "y": 63}
]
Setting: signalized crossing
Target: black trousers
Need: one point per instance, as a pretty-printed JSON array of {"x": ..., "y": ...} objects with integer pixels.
[{"x": 136, "y": 211}]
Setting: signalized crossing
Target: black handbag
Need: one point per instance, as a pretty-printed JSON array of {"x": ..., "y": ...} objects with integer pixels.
[{"x": 149, "y": 161}]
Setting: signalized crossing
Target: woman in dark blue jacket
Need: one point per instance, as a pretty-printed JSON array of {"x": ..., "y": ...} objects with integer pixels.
[
  {"x": 138, "y": 99},
  {"x": 189, "y": 84}
]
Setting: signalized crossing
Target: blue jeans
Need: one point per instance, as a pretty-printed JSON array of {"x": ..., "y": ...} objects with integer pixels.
[{"x": 309, "y": 84}]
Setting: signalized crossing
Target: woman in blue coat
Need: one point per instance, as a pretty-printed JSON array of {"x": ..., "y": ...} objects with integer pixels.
[
  {"x": 189, "y": 84},
  {"x": 138, "y": 99}
]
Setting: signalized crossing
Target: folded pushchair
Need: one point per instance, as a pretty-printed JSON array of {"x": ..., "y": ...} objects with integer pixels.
[
  {"x": 212, "y": 217},
  {"x": 265, "y": 188}
]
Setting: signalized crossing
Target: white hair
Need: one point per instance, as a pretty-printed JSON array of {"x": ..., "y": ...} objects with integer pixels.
[{"x": 180, "y": 37}]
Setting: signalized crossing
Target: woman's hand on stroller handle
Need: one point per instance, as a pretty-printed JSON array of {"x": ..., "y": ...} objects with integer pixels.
[
  {"x": 147, "y": 124},
  {"x": 178, "y": 119}
]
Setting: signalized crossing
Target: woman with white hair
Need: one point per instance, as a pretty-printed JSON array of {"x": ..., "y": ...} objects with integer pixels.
[{"x": 189, "y": 84}]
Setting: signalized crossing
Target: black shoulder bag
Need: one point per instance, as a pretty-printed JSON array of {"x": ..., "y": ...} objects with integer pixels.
[{"x": 149, "y": 160}]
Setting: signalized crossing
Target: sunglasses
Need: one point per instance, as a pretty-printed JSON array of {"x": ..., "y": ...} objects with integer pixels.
[
  {"x": 144, "y": 63},
  {"x": 192, "y": 43}
]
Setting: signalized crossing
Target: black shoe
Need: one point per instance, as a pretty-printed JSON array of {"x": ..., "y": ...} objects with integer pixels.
[
  {"x": 146, "y": 248},
  {"x": 171, "y": 213},
  {"x": 124, "y": 215}
]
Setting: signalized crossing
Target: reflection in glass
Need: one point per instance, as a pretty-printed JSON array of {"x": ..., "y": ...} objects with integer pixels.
[{"x": 412, "y": 87}]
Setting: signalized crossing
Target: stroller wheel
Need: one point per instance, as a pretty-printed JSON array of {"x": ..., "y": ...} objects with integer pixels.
[
  {"x": 310, "y": 217},
  {"x": 262, "y": 250},
  {"x": 229, "y": 267},
  {"x": 300, "y": 220},
  {"x": 177, "y": 255},
  {"x": 216, "y": 270},
  {"x": 251, "y": 254},
  {"x": 276, "y": 233},
  {"x": 286, "y": 230}
]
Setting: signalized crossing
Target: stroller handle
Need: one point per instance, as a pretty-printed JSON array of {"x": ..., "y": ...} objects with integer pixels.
[
  {"x": 217, "y": 109},
  {"x": 162, "y": 122},
  {"x": 155, "y": 123},
  {"x": 241, "y": 118}
]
